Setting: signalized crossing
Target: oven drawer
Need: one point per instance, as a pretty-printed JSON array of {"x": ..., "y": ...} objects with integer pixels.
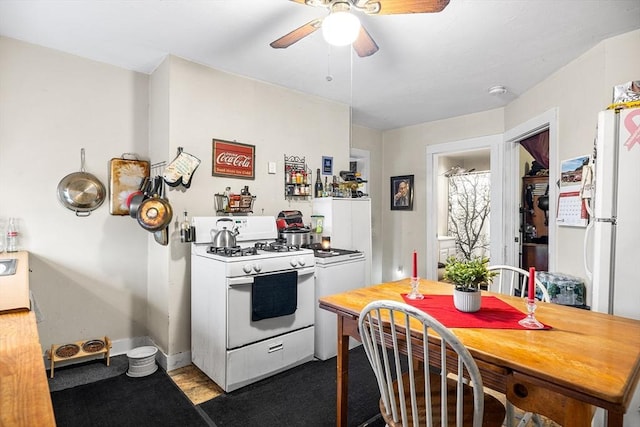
[{"x": 254, "y": 362}]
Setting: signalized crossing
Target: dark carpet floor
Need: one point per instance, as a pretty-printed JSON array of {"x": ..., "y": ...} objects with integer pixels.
[
  {"x": 302, "y": 396},
  {"x": 91, "y": 394},
  {"x": 150, "y": 401},
  {"x": 87, "y": 372}
]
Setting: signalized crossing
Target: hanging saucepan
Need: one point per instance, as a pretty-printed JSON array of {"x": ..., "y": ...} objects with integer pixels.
[
  {"x": 155, "y": 213},
  {"x": 138, "y": 197},
  {"x": 81, "y": 191}
]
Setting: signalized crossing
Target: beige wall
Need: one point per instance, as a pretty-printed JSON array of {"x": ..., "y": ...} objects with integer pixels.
[
  {"x": 105, "y": 275},
  {"x": 579, "y": 91},
  {"x": 371, "y": 140},
  {"x": 88, "y": 275},
  {"x": 404, "y": 153},
  {"x": 203, "y": 104}
]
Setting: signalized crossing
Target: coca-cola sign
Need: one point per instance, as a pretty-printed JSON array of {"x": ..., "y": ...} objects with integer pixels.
[{"x": 233, "y": 159}]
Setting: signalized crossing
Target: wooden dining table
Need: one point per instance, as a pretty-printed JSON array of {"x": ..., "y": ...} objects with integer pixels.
[{"x": 585, "y": 360}]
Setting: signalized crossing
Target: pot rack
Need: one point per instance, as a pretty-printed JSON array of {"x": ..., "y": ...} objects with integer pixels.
[{"x": 158, "y": 168}]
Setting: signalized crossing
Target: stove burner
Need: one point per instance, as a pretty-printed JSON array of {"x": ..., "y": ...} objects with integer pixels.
[
  {"x": 233, "y": 251},
  {"x": 279, "y": 245}
]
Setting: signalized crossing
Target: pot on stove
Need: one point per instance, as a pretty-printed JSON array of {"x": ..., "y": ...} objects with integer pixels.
[
  {"x": 296, "y": 236},
  {"x": 223, "y": 237}
]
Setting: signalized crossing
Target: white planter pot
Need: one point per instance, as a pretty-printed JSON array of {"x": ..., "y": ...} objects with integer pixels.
[{"x": 468, "y": 302}]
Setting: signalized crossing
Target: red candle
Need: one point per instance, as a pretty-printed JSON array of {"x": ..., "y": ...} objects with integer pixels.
[
  {"x": 415, "y": 264},
  {"x": 532, "y": 284}
]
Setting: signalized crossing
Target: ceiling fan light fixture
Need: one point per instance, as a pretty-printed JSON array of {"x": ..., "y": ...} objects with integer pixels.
[{"x": 340, "y": 28}]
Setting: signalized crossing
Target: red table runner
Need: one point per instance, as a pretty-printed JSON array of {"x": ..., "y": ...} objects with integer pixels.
[{"x": 493, "y": 314}]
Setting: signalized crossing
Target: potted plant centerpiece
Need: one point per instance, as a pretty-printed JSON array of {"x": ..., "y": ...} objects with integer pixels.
[{"x": 467, "y": 275}]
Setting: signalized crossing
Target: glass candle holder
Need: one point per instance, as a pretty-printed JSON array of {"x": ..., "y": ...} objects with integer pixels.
[
  {"x": 530, "y": 322},
  {"x": 415, "y": 293}
]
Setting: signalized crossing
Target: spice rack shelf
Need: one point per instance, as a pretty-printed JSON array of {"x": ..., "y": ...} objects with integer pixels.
[
  {"x": 234, "y": 205},
  {"x": 297, "y": 178},
  {"x": 78, "y": 349}
]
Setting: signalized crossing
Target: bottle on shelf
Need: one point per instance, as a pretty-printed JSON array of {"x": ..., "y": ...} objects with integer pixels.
[
  {"x": 318, "y": 188},
  {"x": 185, "y": 229},
  {"x": 225, "y": 202},
  {"x": 12, "y": 236},
  {"x": 327, "y": 191}
]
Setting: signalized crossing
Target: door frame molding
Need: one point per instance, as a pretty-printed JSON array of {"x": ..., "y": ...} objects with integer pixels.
[{"x": 434, "y": 152}]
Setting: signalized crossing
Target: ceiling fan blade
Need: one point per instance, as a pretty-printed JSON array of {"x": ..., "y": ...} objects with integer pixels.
[
  {"x": 390, "y": 7},
  {"x": 297, "y": 34},
  {"x": 364, "y": 44}
]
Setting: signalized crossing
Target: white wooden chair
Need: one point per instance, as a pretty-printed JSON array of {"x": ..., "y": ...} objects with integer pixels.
[
  {"x": 419, "y": 394},
  {"x": 514, "y": 281}
]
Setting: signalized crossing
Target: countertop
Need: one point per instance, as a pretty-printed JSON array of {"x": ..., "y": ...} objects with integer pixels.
[
  {"x": 25, "y": 399},
  {"x": 14, "y": 289}
]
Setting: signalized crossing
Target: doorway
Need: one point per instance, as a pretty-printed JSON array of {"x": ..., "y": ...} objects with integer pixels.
[
  {"x": 547, "y": 121},
  {"x": 534, "y": 205},
  {"x": 479, "y": 154}
]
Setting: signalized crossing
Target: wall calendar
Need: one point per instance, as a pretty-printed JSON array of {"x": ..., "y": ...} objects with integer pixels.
[{"x": 572, "y": 210}]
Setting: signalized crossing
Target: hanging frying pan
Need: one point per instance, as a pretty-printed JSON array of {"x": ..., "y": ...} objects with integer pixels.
[
  {"x": 81, "y": 191},
  {"x": 155, "y": 213}
]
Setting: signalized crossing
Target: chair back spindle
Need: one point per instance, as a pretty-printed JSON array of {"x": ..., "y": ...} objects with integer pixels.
[{"x": 439, "y": 384}]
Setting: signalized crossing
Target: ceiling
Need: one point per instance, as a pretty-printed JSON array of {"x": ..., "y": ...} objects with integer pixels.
[{"x": 429, "y": 66}]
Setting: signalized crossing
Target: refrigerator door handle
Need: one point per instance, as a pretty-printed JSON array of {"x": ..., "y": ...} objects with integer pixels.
[
  {"x": 587, "y": 265},
  {"x": 609, "y": 220}
]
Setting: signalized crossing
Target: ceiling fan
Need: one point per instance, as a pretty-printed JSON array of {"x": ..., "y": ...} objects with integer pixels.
[{"x": 364, "y": 45}]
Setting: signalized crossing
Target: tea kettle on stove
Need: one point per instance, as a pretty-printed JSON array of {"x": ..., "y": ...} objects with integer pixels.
[{"x": 223, "y": 237}]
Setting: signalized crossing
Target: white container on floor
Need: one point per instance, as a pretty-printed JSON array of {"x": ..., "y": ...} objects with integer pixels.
[{"x": 142, "y": 361}]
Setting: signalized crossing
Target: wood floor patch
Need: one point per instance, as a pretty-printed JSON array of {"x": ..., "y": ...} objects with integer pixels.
[{"x": 196, "y": 385}]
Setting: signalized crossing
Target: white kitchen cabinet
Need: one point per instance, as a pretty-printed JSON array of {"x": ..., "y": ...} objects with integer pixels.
[{"x": 348, "y": 223}]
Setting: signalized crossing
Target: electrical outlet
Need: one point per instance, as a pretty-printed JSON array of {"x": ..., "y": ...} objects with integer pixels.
[{"x": 271, "y": 167}]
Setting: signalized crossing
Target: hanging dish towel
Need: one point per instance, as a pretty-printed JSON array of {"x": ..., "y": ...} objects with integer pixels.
[{"x": 274, "y": 295}]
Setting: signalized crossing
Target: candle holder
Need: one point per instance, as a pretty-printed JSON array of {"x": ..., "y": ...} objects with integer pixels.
[
  {"x": 530, "y": 322},
  {"x": 326, "y": 243},
  {"x": 415, "y": 293}
]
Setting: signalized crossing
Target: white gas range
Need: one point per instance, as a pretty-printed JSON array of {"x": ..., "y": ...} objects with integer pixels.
[{"x": 252, "y": 306}]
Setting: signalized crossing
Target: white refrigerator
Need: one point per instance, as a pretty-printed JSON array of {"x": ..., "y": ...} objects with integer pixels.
[{"x": 611, "y": 241}]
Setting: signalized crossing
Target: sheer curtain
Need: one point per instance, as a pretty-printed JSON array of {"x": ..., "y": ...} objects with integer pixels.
[{"x": 469, "y": 212}]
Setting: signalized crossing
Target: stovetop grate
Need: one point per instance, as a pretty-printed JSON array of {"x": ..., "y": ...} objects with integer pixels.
[
  {"x": 234, "y": 251},
  {"x": 237, "y": 251}
]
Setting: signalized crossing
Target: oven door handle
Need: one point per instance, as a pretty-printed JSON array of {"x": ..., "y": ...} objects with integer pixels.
[
  {"x": 305, "y": 271},
  {"x": 247, "y": 280}
]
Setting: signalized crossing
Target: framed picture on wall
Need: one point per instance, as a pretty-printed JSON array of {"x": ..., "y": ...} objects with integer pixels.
[
  {"x": 327, "y": 165},
  {"x": 402, "y": 193},
  {"x": 233, "y": 159}
]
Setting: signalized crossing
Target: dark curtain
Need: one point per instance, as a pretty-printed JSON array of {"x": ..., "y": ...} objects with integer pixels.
[{"x": 538, "y": 147}]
